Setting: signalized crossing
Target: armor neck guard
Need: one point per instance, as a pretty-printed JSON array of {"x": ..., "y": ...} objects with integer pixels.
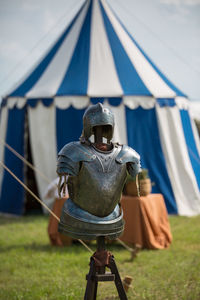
[{"x": 102, "y": 151}]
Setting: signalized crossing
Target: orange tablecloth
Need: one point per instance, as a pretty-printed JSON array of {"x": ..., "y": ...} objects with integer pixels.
[{"x": 146, "y": 221}]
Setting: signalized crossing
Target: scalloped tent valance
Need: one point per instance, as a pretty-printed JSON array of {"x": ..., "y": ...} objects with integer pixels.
[{"x": 82, "y": 102}]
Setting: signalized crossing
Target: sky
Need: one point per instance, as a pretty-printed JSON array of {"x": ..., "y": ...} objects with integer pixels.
[{"x": 167, "y": 30}]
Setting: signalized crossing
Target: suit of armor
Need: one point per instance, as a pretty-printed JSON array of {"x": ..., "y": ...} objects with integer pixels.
[{"x": 96, "y": 179}]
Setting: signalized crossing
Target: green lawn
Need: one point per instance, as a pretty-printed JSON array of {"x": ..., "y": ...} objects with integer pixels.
[{"x": 32, "y": 269}]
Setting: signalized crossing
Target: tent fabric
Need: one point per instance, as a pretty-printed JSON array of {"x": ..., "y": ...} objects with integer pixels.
[
  {"x": 195, "y": 110},
  {"x": 3, "y": 128},
  {"x": 195, "y": 132},
  {"x": 191, "y": 145},
  {"x": 95, "y": 59},
  {"x": 142, "y": 129},
  {"x": 181, "y": 173},
  {"x": 13, "y": 202},
  {"x": 43, "y": 144},
  {"x": 149, "y": 131},
  {"x": 93, "y": 39},
  {"x": 66, "y": 132}
]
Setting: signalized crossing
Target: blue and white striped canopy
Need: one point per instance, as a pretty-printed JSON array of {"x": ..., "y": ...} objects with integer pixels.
[
  {"x": 96, "y": 60},
  {"x": 97, "y": 57}
]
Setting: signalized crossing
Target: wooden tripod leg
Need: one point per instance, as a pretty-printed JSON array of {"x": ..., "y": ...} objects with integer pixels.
[
  {"x": 118, "y": 282},
  {"x": 91, "y": 287}
]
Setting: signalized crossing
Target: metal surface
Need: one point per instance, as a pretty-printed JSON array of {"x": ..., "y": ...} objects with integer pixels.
[
  {"x": 100, "y": 175},
  {"x": 98, "y": 115},
  {"x": 131, "y": 158},
  {"x": 97, "y": 174},
  {"x": 78, "y": 223},
  {"x": 98, "y": 186}
]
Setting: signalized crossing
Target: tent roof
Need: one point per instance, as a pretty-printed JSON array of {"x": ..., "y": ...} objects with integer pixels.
[{"x": 97, "y": 57}]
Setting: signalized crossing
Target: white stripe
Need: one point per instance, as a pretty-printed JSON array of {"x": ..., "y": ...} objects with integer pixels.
[
  {"x": 195, "y": 109},
  {"x": 151, "y": 79},
  {"x": 3, "y": 129},
  {"x": 120, "y": 135},
  {"x": 78, "y": 102},
  {"x": 51, "y": 79},
  {"x": 182, "y": 102},
  {"x": 20, "y": 102},
  {"x": 178, "y": 163},
  {"x": 103, "y": 79},
  {"x": 11, "y": 102},
  {"x": 134, "y": 102},
  {"x": 43, "y": 143}
]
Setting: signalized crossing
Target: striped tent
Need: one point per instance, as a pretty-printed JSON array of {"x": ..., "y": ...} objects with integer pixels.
[{"x": 95, "y": 59}]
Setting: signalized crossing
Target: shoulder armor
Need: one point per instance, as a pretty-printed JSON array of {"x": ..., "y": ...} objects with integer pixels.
[
  {"x": 127, "y": 154},
  {"x": 76, "y": 152}
]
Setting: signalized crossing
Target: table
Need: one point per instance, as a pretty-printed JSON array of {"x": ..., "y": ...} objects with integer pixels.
[{"x": 146, "y": 222}]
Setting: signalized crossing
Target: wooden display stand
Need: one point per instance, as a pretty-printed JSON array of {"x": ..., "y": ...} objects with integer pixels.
[{"x": 98, "y": 263}]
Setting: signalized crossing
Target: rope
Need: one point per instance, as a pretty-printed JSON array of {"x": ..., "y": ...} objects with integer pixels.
[
  {"x": 85, "y": 245},
  {"x": 40, "y": 201},
  {"x": 125, "y": 246},
  {"x": 25, "y": 161},
  {"x": 26, "y": 188}
]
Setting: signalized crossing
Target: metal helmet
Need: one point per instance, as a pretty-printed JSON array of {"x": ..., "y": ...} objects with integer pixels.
[{"x": 98, "y": 115}]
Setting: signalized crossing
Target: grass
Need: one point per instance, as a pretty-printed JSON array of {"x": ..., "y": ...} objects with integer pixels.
[{"x": 32, "y": 269}]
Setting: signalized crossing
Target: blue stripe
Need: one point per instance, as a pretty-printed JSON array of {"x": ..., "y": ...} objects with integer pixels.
[
  {"x": 131, "y": 82},
  {"x": 114, "y": 101},
  {"x": 32, "y": 102},
  {"x": 37, "y": 73},
  {"x": 143, "y": 136},
  {"x": 75, "y": 81},
  {"x": 69, "y": 125},
  {"x": 4, "y": 102},
  {"x": 45, "y": 101},
  {"x": 95, "y": 100},
  {"x": 166, "y": 102},
  {"x": 12, "y": 193},
  {"x": 166, "y": 80},
  {"x": 191, "y": 144}
]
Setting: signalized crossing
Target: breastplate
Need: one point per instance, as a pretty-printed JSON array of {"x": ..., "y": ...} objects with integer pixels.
[{"x": 98, "y": 186}]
